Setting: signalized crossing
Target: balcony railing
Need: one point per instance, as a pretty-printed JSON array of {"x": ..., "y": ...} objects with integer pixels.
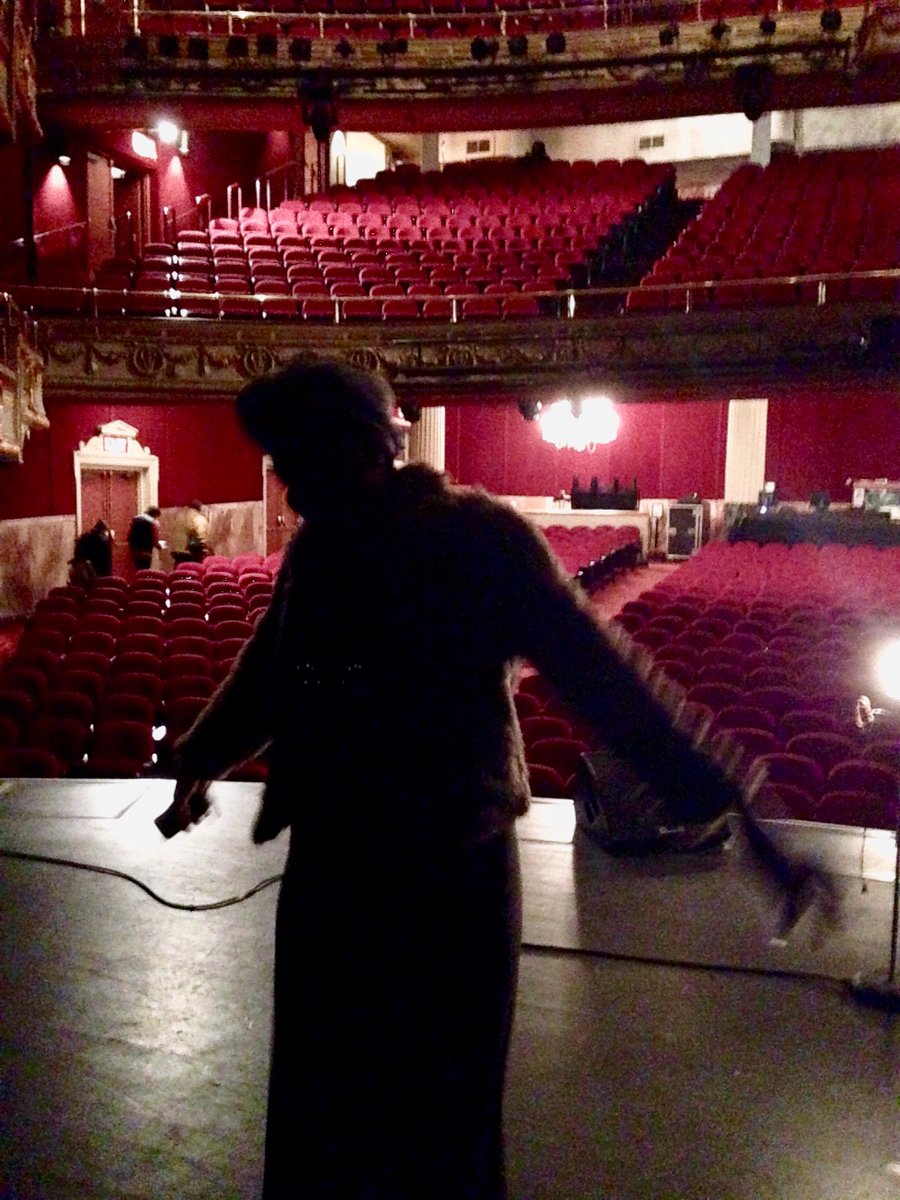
[{"x": 570, "y": 304}]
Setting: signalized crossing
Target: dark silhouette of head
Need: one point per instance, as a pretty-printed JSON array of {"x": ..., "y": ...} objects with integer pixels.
[
  {"x": 153, "y": 511},
  {"x": 328, "y": 429}
]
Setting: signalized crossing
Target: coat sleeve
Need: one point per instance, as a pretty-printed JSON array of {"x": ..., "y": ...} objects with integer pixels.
[
  {"x": 604, "y": 678},
  {"x": 237, "y": 722}
]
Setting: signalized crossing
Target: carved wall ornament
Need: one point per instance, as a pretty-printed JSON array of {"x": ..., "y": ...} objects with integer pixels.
[
  {"x": 146, "y": 359},
  {"x": 365, "y": 359},
  {"x": 254, "y": 361}
]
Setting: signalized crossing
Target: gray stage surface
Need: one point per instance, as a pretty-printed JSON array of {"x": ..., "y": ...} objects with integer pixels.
[{"x": 665, "y": 1047}]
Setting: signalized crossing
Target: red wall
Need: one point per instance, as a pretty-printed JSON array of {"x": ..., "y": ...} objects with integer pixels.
[
  {"x": 671, "y": 449},
  {"x": 816, "y": 440},
  {"x": 202, "y": 453},
  {"x": 819, "y": 439}
]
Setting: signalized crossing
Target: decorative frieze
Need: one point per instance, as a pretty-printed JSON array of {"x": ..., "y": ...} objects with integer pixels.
[{"x": 217, "y": 357}]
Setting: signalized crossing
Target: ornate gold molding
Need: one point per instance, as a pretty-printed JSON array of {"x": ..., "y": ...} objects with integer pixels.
[{"x": 214, "y": 358}]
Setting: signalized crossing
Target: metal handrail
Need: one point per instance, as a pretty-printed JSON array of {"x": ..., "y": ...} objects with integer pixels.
[
  {"x": 569, "y": 301},
  {"x": 603, "y": 13}
]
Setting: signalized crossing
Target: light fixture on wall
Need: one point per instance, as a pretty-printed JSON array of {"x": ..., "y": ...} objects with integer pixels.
[
  {"x": 117, "y": 172},
  {"x": 142, "y": 145},
  {"x": 64, "y": 160},
  {"x": 582, "y": 423},
  {"x": 167, "y": 132}
]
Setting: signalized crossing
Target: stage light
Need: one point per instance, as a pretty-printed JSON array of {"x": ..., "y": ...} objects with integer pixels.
[
  {"x": 484, "y": 49},
  {"x": 167, "y": 132},
  {"x": 831, "y": 19},
  {"x": 556, "y": 43},
  {"x": 518, "y": 45},
  {"x": 392, "y": 47}
]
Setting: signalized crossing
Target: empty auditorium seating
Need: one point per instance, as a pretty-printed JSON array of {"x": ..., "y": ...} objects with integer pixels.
[
  {"x": 775, "y": 635},
  {"x": 766, "y": 229}
]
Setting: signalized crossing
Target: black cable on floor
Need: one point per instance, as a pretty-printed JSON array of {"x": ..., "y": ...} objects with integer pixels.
[
  {"x": 80, "y": 866},
  {"x": 533, "y": 947}
]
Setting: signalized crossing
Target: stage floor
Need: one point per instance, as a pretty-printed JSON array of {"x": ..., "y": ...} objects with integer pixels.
[{"x": 665, "y": 1047}]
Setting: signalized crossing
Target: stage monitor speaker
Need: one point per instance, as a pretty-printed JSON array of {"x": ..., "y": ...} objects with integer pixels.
[{"x": 614, "y": 806}]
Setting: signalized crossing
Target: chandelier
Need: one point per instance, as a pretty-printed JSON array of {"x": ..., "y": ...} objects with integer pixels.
[{"x": 579, "y": 424}]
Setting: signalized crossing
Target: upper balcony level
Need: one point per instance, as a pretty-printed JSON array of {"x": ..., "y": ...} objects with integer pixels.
[{"x": 604, "y": 59}]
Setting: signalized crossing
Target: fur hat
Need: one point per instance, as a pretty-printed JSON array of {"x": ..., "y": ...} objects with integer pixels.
[{"x": 311, "y": 400}]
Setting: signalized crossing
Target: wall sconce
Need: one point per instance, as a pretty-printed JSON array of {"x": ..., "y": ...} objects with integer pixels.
[
  {"x": 64, "y": 160},
  {"x": 167, "y": 132},
  {"x": 117, "y": 172}
]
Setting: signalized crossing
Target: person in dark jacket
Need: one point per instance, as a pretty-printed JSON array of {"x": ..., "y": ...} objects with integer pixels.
[
  {"x": 143, "y": 538},
  {"x": 380, "y": 683},
  {"x": 93, "y": 555}
]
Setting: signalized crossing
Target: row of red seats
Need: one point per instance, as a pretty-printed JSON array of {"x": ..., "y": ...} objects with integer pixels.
[
  {"x": 775, "y": 647},
  {"x": 580, "y": 546},
  {"x": 825, "y": 213},
  {"x": 103, "y": 683}
]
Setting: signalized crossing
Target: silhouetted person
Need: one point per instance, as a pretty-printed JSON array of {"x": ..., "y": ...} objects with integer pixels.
[
  {"x": 143, "y": 538},
  {"x": 396, "y": 760},
  {"x": 92, "y": 555}
]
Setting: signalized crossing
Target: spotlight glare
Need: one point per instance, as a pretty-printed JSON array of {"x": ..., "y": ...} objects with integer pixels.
[
  {"x": 887, "y": 669},
  {"x": 168, "y": 132}
]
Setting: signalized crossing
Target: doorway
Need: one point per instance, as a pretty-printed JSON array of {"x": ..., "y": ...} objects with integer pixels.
[{"x": 115, "y": 478}]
